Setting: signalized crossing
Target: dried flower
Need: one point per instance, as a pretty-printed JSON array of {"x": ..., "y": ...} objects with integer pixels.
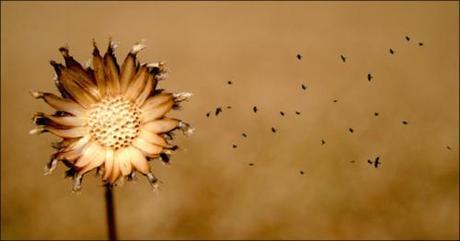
[{"x": 109, "y": 118}]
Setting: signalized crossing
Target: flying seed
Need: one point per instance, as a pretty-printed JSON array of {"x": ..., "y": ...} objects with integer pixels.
[{"x": 218, "y": 110}]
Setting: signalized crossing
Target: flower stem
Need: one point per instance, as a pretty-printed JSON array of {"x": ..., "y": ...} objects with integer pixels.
[{"x": 110, "y": 212}]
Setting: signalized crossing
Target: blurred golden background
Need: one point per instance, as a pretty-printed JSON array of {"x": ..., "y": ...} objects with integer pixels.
[{"x": 210, "y": 191}]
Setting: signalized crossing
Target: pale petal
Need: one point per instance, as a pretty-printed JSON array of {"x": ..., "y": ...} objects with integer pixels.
[
  {"x": 122, "y": 157},
  {"x": 68, "y": 121},
  {"x": 157, "y": 112},
  {"x": 156, "y": 100},
  {"x": 115, "y": 174},
  {"x": 59, "y": 103},
  {"x": 89, "y": 153},
  {"x": 128, "y": 70},
  {"x": 152, "y": 137},
  {"x": 139, "y": 161},
  {"x": 147, "y": 148},
  {"x": 146, "y": 91},
  {"x": 109, "y": 155},
  {"x": 71, "y": 155},
  {"x": 111, "y": 71},
  {"x": 74, "y": 150},
  {"x": 97, "y": 160},
  {"x": 73, "y": 85},
  {"x": 161, "y": 125},
  {"x": 65, "y": 133},
  {"x": 137, "y": 85},
  {"x": 80, "y": 75},
  {"x": 78, "y": 145},
  {"x": 99, "y": 72}
]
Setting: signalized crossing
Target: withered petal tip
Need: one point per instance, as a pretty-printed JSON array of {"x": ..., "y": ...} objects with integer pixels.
[{"x": 36, "y": 94}]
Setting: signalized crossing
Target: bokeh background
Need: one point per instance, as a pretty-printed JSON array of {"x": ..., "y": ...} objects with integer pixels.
[{"x": 210, "y": 191}]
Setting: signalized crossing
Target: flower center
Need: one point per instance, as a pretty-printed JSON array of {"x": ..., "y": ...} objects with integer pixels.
[{"x": 114, "y": 122}]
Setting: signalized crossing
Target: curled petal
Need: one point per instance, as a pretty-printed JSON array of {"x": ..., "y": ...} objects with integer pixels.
[
  {"x": 51, "y": 165},
  {"x": 77, "y": 183},
  {"x": 59, "y": 103},
  {"x": 152, "y": 180},
  {"x": 164, "y": 158}
]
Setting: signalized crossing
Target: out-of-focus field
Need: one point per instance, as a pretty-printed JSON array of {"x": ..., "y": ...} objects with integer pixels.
[{"x": 210, "y": 191}]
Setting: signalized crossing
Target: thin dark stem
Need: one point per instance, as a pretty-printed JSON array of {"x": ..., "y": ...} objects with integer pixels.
[{"x": 110, "y": 212}]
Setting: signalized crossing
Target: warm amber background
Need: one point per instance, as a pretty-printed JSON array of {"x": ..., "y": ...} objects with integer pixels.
[{"x": 210, "y": 192}]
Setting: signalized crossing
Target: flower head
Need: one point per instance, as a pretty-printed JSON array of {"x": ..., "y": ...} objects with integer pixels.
[{"x": 110, "y": 118}]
